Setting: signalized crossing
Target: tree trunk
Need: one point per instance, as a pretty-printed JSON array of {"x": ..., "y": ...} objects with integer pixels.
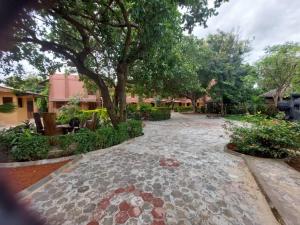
[
  {"x": 194, "y": 104},
  {"x": 122, "y": 71},
  {"x": 108, "y": 104},
  {"x": 222, "y": 108}
]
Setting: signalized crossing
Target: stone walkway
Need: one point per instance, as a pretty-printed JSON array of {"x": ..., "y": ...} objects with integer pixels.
[
  {"x": 177, "y": 173},
  {"x": 281, "y": 184}
]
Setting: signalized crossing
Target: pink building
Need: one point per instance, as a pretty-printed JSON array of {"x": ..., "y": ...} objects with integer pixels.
[{"x": 63, "y": 87}]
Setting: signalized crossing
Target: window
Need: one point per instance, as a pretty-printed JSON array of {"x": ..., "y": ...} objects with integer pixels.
[
  {"x": 7, "y": 100},
  {"x": 188, "y": 104},
  {"x": 20, "y": 102}
]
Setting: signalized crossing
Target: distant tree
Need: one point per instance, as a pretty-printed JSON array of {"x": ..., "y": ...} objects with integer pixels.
[
  {"x": 226, "y": 66},
  {"x": 280, "y": 68},
  {"x": 102, "y": 38}
]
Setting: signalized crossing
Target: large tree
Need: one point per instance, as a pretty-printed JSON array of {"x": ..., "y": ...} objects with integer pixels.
[
  {"x": 227, "y": 67},
  {"x": 279, "y": 69},
  {"x": 102, "y": 38},
  {"x": 188, "y": 69}
]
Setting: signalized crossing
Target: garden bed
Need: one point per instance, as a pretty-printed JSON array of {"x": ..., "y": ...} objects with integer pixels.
[
  {"x": 24, "y": 144},
  {"x": 294, "y": 163},
  {"x": 23, "y": 177}
]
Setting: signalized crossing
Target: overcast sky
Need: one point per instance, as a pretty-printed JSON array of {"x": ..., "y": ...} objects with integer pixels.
[{"x": 265, "y": 22}]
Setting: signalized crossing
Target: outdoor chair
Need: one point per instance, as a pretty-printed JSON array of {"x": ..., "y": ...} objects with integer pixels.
[
  {"x": 74, "y": 124},
  {"x": 38, "y": 123}
]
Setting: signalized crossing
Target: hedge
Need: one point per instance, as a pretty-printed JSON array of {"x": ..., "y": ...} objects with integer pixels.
[
  {"x": 183, "y": 109},
  {"x": 158, "y": 114},
  {"x": 24, "y": 145},
  {"x": 86, "y": 140}
]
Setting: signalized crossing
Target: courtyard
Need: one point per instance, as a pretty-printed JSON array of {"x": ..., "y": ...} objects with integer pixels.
[{"x": 176, "y": 173}]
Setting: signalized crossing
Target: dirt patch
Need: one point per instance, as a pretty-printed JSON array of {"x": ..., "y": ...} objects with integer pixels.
[
  {"x": 295, "y": 163},
  {"x": 22, "y": 177}
]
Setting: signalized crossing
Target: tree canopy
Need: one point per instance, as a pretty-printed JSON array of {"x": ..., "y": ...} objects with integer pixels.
[
  {"x": 279, "y": 69},
  {"x": 101, "y": 38}
]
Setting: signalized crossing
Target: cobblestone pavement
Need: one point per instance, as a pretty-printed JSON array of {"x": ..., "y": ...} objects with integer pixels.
[{"x": 177, "y": 173}]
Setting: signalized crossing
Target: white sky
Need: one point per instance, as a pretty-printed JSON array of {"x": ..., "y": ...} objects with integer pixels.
[{"x": 265, "y": 22}]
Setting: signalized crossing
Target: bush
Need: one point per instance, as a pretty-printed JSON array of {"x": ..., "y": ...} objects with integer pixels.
[
  {"x": 183, "y": 109},
  {"x": 144, "y": 108},
  {"x": 135, "y": 128},
  {"x": 86, "y": 140},
  {"x": 68, "y": 111},
  {"x": 9, "y": 136},
  {"x": 133, "y": 112},
  {"x": 277, "y": 140},
  {"x": 158, "y": 114},
  {"x": 101, "y": 114},
  {"x": 28, "y": 146}
]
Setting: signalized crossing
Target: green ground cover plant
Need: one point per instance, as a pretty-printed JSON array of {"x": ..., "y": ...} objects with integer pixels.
[
  {"x": 24, "y": 144},
  {"x": 268, "y": 138}
]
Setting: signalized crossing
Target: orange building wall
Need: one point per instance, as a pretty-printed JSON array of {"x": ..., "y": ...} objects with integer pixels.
[{"x": 20, "y": 114}]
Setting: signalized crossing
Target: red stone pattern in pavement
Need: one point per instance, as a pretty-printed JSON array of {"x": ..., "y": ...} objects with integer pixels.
[
  {"x": 126, "y": 210},
  {"x": 167, "y": 162}
]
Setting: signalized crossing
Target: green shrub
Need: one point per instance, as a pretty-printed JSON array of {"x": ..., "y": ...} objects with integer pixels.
[
  {"x": 28, "y": 146},
  {"x": 184, "y": 109},
  {"x": 145, "y": 108},
  {"x": 102, "y": 115},
  {"x": 135, "y": 128},
  {"x": 68, "y": 111},
  {"x": 157, "y": 114},
  {"x": 86, "y": 140},
  {"x": 9, "y": 136},
  {"x": 276, "y": 140},
  {"x": 106, "y": 137},
  {"x": 133, "y": 112},
  {"x": 7, "y": 108}
]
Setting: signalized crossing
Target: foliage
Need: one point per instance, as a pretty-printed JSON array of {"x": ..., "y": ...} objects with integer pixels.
[
  {"x": 226, "y": 67},
  {"x": 144, "y": 107},
  {"x": 147, "y": 112},
  {"x": 277, "y": 140},
  {"x": 135, "y": 128},
  {"x": 31, "y": 83},
  {"x": 7, "y": 108},
  {"x": 69, "y": 111},
  {"x": 183, "y": 109},
  {"x": 86, "y": 140},
  {"x": 102, "y": 39},
  {"x": 133, "y": 112},
  {"x": 29, "y": 146},
  {"x": 279, "y": 69},
  {"x": 158, "y": 114},
  {"x": 80, "y": 142},
  {"x": 101, "y": 114}
]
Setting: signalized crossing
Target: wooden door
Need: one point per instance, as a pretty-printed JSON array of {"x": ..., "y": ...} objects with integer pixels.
[{"x": 29, "y": 109}]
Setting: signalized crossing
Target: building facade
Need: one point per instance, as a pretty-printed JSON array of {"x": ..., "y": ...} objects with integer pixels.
[
  {"x": 62, "y": 88},
  {"x": 24, "y": 105}
]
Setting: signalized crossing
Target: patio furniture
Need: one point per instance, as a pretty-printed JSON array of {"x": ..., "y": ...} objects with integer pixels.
[
  {"x": 74, "y": 124},
  {"x": 38, "y": 123},
  {"x": 50, "y": 126}
]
